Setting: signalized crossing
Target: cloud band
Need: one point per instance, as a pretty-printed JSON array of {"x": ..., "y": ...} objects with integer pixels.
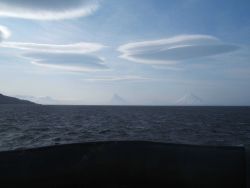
[
  {"x": 175, "y": 49},
  {"x": 47, "y": 9}
]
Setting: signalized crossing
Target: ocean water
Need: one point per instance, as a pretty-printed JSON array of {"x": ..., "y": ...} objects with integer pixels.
[{"x": 23, "y": 126}]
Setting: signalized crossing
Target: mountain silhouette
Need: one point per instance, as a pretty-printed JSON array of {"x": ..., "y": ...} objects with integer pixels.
[
  {"x": 190, "y": 100},
  {"x": 12, "y": 100},
  {"x": 118, "y": 100}
]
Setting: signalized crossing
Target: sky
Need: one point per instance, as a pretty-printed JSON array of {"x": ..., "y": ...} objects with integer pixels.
[{"x": 150, "y": 52}]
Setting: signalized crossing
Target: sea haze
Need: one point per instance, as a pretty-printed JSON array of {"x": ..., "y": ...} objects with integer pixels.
[{"x": 28, "y": 126}]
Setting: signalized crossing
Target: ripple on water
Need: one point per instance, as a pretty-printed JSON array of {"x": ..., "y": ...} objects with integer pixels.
[{"x": 36, "y": 126}]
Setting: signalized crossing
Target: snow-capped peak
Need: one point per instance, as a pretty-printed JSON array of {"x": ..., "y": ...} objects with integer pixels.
[{"x": 190, "y": 100}]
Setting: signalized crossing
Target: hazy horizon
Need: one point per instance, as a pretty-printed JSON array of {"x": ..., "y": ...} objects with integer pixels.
[{"x": 147, "y": 53}]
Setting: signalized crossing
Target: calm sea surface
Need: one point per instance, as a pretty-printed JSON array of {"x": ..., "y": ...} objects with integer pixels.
[{"x": 36, "y": 126}]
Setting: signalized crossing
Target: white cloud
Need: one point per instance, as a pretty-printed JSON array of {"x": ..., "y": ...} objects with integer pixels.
[
  {"x": 167, "y": 67},
  {"x": 117, "y": 78},
  {"x": 175, "y": 49},
  {"x": 47, "y": 9},
  {"x": 67, "y": 61},
  {"x": 76, "y": 57},
  {"x": 72, "y": 57},
  {"x": 4, "y": 33},
  {"x": 82, "y": 47}
]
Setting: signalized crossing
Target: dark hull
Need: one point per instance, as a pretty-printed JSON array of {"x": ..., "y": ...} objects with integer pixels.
[{"x": 125, "y": 164}]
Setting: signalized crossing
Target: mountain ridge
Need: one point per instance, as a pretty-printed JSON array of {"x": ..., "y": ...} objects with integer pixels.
[{"x": 12, "y": 100}]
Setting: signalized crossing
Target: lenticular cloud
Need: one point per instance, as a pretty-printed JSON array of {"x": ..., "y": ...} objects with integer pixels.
[
  {"x": 70, "y": 62},
  {"x": 47, "y": 9},
  {"x": 81, "y": 47},
  {"x": 175, "y": 49}
]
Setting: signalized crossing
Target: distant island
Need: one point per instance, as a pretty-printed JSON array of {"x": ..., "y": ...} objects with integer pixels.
[
  {"x": 118, "y": 100},
  {"x": 12, "y": 100}
]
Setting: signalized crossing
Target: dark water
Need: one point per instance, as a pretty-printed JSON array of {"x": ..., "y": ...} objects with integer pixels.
[{"x": 35, "y": 126}]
